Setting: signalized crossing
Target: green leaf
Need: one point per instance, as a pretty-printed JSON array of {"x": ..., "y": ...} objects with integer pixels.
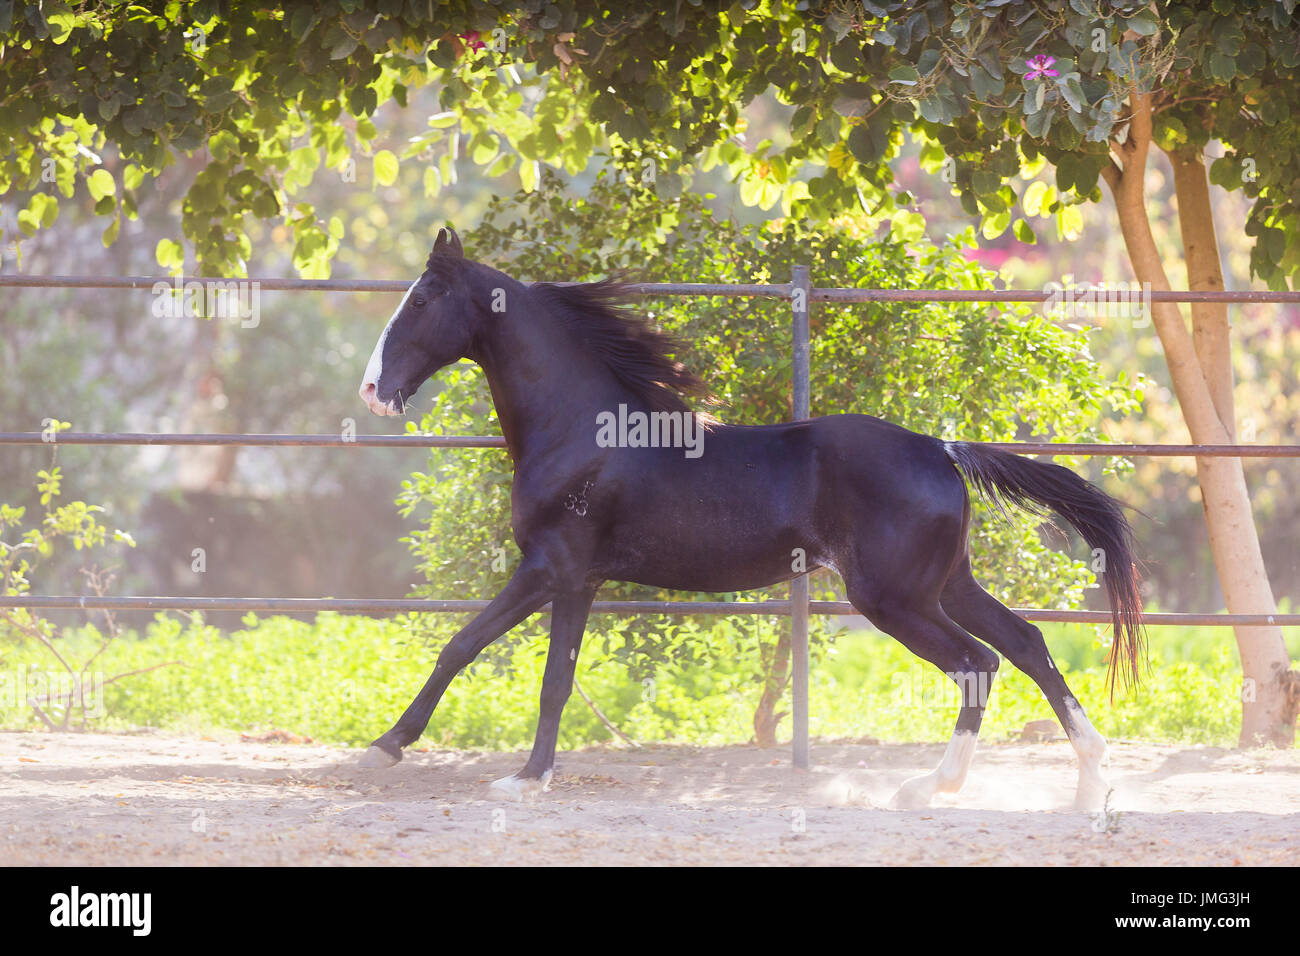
[
  {"x": 1038, "y": 124},
  {"x": 223, "y": 145},
  {"x": 483, "y": 149},
  {"x": 304, "y": 18},
  {"x": 101, "y": 184},
  {"x": 503, "y": 164},
  {"x": 1024, "y": 232},
  {"x": 169, "y": 253},
  {"x": 907, "y": 226},
  {"x": 344, "y": 47},
  {"x": 41, "y": 212},
  {"x": 1069, "y": 222},
  {"x": 866, "y": 145},
  {"x": 940, "y": 107},
  {"x": 528, "y": 176},
  {"x": 60, "y": 24},
  {"x": 996, "y": 224},
  {"x": 1273, "y": 242},
  {"x": 1274, "y": 110},
  {"x": 828, "y": 130},
  {"x": 1072, "y": 92},
  {"x": 1222, "y": 66},
  {"x": 984, "y": 84},
  {"x": 1143, "y": 23},
  {"x": 1225, "y": 172},
  {"x": 386, "y": 165},
  {"x": 906, "y": 74},
  {"x": 1032, "y": 201}
]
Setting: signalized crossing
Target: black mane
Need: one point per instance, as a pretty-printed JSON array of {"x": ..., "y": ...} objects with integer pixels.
[{"x": 636, "y": 352}]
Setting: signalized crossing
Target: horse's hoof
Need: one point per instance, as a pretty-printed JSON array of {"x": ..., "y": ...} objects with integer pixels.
[
  {"x": 914, "y": 794},
  {"x": 518, "y": 789},
  {"x": 376, "y": 758}
]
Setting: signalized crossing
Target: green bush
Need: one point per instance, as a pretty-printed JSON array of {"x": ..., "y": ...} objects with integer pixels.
[{"x": 343, "y": 680}]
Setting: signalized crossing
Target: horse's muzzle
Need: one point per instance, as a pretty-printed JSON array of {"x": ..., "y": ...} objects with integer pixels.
[{"x": 367, "y": 393}]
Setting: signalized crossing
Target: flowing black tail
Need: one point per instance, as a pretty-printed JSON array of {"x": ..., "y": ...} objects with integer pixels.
[{"x": 1002, "y": 478}]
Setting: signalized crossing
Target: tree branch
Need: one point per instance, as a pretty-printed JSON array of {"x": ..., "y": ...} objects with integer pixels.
[{"x": 603, "y": 719}]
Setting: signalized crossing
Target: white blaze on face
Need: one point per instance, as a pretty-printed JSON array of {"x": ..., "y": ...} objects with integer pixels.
[{"x": 375, "y": 367}]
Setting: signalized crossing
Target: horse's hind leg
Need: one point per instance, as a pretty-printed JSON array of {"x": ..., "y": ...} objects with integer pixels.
[
  {"x": 568, "y": 621},
  {"x": 926, "y": 631},
  {"x": 990, "y": 620}
]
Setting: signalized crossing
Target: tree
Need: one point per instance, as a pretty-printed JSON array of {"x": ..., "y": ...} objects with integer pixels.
[
  {"x": 1100, "y": 85},
  {"x": 993, "y": 85}
]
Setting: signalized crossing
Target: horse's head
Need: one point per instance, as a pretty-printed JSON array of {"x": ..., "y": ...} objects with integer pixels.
[{"x": 430, "y": 329}]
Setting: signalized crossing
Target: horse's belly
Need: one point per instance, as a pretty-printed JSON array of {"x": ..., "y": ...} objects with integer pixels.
[
  {"x": 739, "y": 517},
  {"x": 706, "y": 552}
]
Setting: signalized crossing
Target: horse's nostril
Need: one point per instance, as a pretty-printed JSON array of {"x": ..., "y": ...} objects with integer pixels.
[{"x": 367, "y": 391}]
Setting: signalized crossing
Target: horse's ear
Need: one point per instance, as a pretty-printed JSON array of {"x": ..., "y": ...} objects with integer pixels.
[{"x": 447, "y": 244}]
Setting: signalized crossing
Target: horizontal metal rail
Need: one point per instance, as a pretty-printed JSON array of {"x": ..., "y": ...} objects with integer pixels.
[
  {"x": 323, "y": 441},
  {"x": 371, "y": 605},
  {"x": 1081, "y": 449},
  {"x": 1084, "y": 449},
  {"x": 1039, "y": 295},
  {"x": 780, "y": 290},
  {"x": 777, "y": 608}
]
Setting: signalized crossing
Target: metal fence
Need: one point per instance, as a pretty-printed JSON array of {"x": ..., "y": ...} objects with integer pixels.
[{"x": 800, "y": 292}]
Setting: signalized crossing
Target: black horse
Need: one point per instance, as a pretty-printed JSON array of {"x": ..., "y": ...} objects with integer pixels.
[{"x": 617, "y": 479}]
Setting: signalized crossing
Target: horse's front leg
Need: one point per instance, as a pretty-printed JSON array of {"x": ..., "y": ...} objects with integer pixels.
[
  {"x": 568, "y": 621},
  {"x": 527, "y": 591}
]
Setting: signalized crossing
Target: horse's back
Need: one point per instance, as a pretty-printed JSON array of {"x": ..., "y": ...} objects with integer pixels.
[{"x": 755, "y": 494}]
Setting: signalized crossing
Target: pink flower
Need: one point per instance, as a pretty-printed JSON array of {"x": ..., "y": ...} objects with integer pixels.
[
  {"x": 474, "y": 43},
  {"x": 1040, "y": 65}
]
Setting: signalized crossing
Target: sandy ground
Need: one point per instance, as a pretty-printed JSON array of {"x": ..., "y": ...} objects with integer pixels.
[{"x": 94, "y": 799}]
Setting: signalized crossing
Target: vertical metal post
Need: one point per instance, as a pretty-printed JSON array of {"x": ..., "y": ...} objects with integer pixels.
[{"x": 800, "y": 288}]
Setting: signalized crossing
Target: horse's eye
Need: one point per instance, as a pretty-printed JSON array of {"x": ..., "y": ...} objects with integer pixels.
[{"x": 418, "y": 301}]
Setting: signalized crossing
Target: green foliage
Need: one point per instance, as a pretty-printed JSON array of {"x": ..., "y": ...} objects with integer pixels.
[
  {"x": 959, "y": 371},
  {"x": 23, "y": 551},
  {"x": 277, "y": 96},
  {"x": 74, "y": 522},
  {"x": 340, "y": 679},
  {"x": 1020, "y": 81}
]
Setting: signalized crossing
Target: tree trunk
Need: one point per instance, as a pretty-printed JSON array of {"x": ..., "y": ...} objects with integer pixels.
[
  {"x": 766, "y": 717},
  {"x": 1201, "y": 371}
]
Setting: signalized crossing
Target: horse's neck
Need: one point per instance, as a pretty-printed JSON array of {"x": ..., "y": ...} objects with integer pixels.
[{"x": 545, "y": 387}]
